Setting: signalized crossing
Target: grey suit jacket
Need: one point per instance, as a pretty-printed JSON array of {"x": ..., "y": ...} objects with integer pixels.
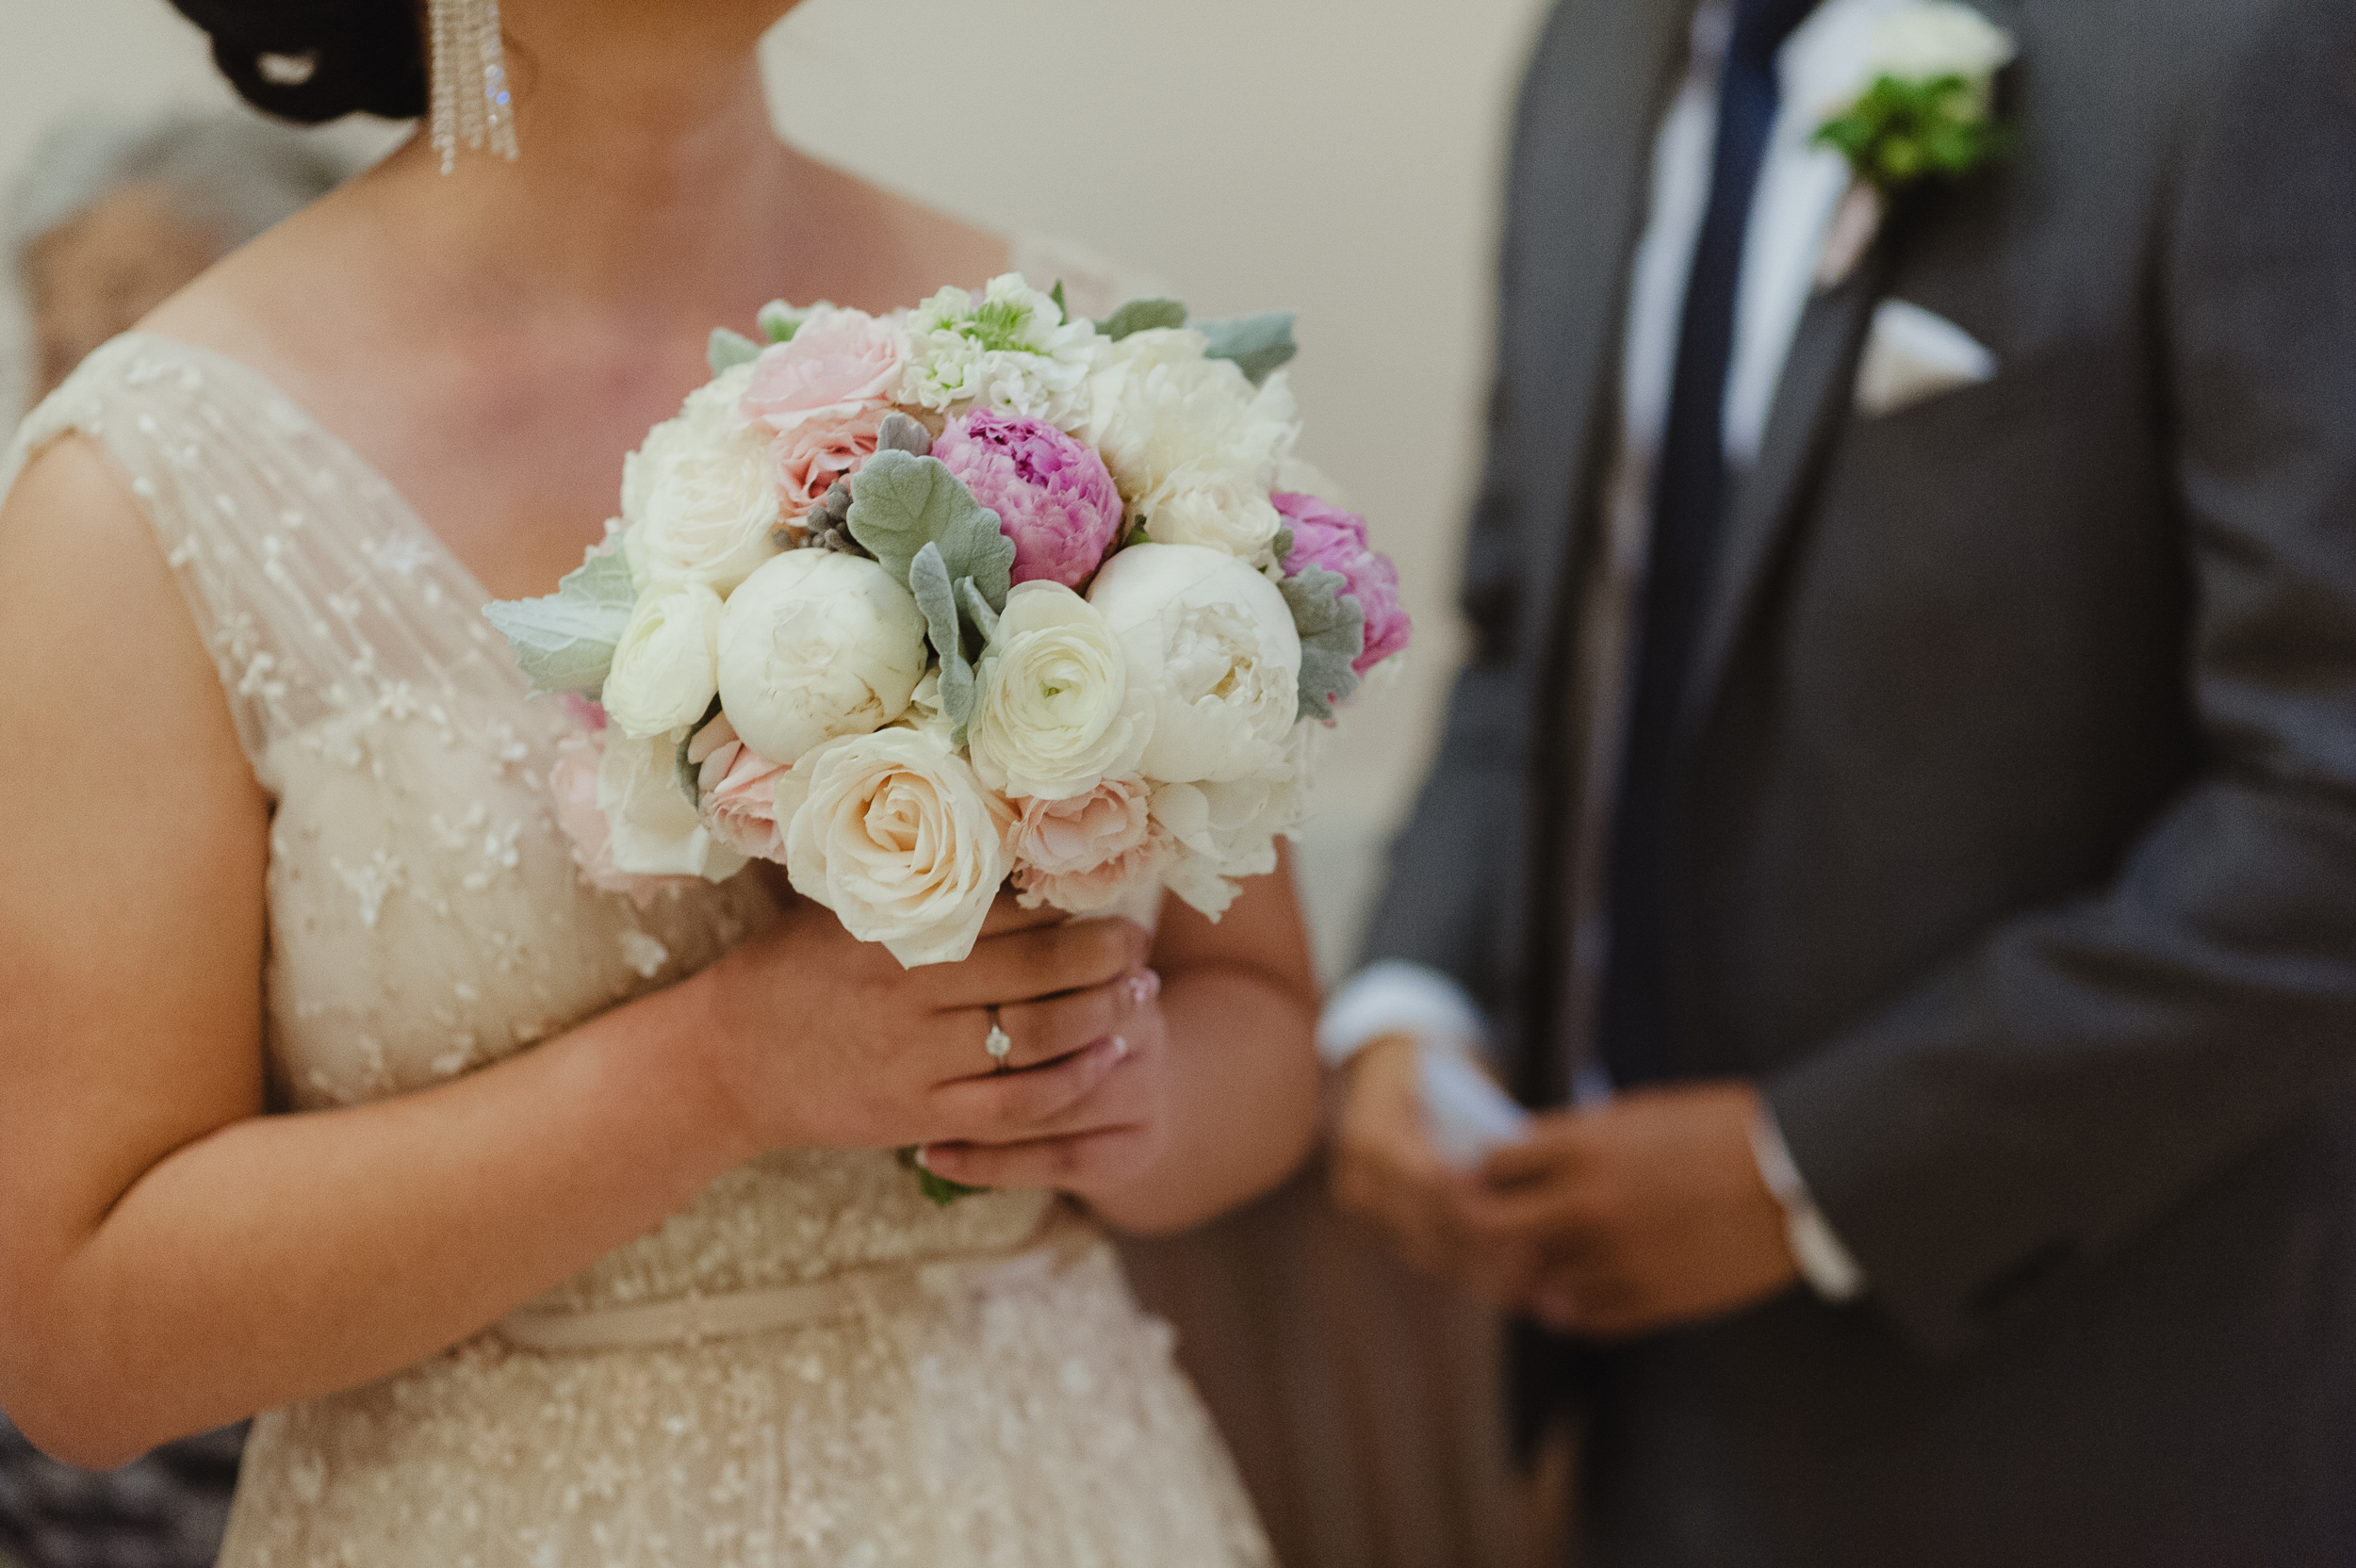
[{"x": 2017, "y": 801}]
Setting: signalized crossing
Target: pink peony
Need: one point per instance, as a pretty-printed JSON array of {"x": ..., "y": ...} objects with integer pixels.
[
  {"x": 839, "y": 361},
  {"x": 1052, "y": 494},
  {"x": 1080, "y": 855},
  {"x": 809, "y": 458},
  {"x": 739, "y": 786},
  {"x": 1331, "y": 540},
  {"x": 573, "y": 779}
]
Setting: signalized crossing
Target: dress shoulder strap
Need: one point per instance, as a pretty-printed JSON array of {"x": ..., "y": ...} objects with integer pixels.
[{"x": 317, "y": 591}]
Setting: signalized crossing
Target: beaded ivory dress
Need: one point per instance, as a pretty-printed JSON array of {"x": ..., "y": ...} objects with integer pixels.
[{"x": 809, "y": 1365}]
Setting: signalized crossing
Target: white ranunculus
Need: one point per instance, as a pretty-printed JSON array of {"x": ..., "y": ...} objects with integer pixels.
[
  {"x": 700, "y": 492},
  {"x": 1212, "y": 833},
  {"x": 1013, "y": 351},
  {"x": 1211, "y": 643},
  {"x": 666, "y": 667},
  {"x": 653, "y": 827},
  {"x": 894, "y": 833},
  {"x": 1221, "y": 514},
  {"x": 1054, "y": 713},
  {"x": 814, "y": 645},
  {"x": 1939, "y": 37}
]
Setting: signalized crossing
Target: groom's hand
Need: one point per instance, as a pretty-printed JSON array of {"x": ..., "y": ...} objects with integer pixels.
[{"x": 1637, "y": 1215}]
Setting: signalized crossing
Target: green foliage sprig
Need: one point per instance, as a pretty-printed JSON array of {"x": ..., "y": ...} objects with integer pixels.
[{"x": 1904, "y": 131}]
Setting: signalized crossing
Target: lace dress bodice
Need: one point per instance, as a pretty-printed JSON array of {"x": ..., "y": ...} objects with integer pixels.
[{"x": 426, "y": 920}]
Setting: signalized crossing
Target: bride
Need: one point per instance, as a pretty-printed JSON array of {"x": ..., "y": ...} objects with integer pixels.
[{"x": 547, "y": 1227}]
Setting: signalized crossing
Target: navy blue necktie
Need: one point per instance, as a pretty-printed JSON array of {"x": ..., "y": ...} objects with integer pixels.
[{"x": 1689, "y": 492}]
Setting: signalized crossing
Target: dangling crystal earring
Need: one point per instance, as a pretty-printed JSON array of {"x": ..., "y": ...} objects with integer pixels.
[{"x": 470, "y": 98}]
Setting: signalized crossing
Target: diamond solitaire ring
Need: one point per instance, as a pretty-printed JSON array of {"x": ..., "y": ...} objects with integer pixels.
[{"x": 998, "y": 1042}]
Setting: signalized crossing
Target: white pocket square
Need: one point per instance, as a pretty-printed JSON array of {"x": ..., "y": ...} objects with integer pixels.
[{"x": 1911, "y": 354}]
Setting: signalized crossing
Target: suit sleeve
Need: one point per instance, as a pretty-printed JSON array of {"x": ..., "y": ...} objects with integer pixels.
[{"x": 2084, "y": 1067}]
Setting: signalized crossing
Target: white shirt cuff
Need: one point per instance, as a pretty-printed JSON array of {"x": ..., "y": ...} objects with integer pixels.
[
  {"x": 1395, "y": 997},
  {"x": 1830, "y": 1267}
]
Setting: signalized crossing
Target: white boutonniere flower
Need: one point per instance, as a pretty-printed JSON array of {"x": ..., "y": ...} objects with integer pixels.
[{"x": 1924, "y": 109}]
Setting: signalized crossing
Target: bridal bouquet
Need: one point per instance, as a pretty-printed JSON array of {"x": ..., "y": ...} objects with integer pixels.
[{"x": 971, "y": 594}]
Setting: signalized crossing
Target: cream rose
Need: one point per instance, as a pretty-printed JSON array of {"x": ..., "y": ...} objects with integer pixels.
[
  {"x": 653, "y": 829},
  {"x": 894, "y": 833},
  {"x": 666, "y": 666},
  {"x": 702, "y": 493},
  {"x": 1053, "y": 711},
  {"x": 1220, "y": 512},
  {"x": 1939, "y": 37},
  {"x": 1211, "y": 643},
  {"x": 816, "y": 644}
]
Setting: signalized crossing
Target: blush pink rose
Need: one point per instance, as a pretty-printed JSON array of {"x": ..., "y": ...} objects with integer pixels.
[
  {"x": 1080, "y": 855},
  {"x": 809, "y": 458},
  {"x": 739, "y": 786},
  {"x": 573, "y": 779},
  {"x": 839, "y": 361}
]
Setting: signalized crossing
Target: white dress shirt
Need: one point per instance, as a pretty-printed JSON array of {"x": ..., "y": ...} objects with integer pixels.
[{"x": 1800, "y": 188}]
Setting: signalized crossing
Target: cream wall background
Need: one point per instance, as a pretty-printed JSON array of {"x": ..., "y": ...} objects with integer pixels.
[{"x": 1337, "y": 155}]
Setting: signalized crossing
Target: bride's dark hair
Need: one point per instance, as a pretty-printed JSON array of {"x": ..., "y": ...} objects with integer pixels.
[{"x": 315, "y": 60}]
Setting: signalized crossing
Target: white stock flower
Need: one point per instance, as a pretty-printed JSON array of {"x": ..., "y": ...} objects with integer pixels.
[
  {"x": 1211, "y": 643},
  {"x": 1939, "y": 37},
  {"x": 1012, "y": 351},
  {"x": 654, "y": 830},
  {"x": 1193, "y": 445},
  {"x": 666, "y": 666},
  {"x": 894, "y": 833},
  {"x": 1055, "y": 712},
  {"x": 816, "y": 644},
  {"x": 1212, "y": 833},
  {"x": 700, "y": 494}
]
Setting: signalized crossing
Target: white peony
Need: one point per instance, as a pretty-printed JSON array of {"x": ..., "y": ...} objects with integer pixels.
[
  {"x": 815, "y": 645},
  {"x": 666, "y": 666},
  {"x": 1054, "y": 713},
  {"x": 1212, "y": 641},
  {"x": 700, "y": 494},
  {"x": 653, "y": 827},
  {"x": 894, "y": 833},
  {"x": 1939, "y": 37},
  {"x": 1193, "y": 445},
  {"x": 1012, "y": 350},
  {"x": 1212, "y": 833}
]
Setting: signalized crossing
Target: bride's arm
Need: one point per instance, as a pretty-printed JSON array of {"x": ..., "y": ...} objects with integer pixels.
[
  {"x": 171, "y": 1257},
  {"x": 1215, "y": 1101}
]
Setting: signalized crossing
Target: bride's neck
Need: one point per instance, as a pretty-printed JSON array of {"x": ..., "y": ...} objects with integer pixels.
[{"x": 650, "y": 173}]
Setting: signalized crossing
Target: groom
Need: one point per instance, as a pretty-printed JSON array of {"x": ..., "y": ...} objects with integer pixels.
[{"x": 1902, "y": 798}]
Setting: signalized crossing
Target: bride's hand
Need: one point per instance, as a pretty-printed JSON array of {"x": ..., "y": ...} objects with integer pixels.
[
  {"x": 820, "y": 1040},
  {"x": 1107, "y": 1140}
]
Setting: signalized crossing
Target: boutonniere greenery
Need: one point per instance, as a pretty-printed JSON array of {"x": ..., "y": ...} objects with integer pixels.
[{"x": 1924, "y": 110}]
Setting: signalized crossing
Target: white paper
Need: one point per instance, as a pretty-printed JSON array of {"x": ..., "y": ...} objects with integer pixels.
[{"x": 1911, "y": 355}]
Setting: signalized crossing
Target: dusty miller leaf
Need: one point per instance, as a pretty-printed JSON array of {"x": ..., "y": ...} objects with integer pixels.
[
  {"x": 900, "y": 504},
  {"x": 928, "y": 579},
  {"x": 1284, "y": 543},
  {"x": 1332, "y": 627},
  {"x": 1257, "y": 344},
  {"x": 978, "y": 611},
  {"x": 564, "y": 641},
  {"x": 729, "y": 350},
  {"x": 1144, "y": 316},
  {"x": 778, "y": 322},
  {"x": 690, "y": 774}
]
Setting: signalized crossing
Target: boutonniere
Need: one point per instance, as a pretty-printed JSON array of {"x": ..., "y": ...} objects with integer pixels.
[{"x": 1926, "y": 110}]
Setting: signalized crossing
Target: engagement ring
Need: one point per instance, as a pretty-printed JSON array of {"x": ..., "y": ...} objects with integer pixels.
[{"x": 998, "y": 1042}]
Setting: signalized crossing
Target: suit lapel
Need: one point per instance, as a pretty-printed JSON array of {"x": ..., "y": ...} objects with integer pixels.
[
  {"x": 1810, "y": 405},
  {"x": 1597, "y": 88}
]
